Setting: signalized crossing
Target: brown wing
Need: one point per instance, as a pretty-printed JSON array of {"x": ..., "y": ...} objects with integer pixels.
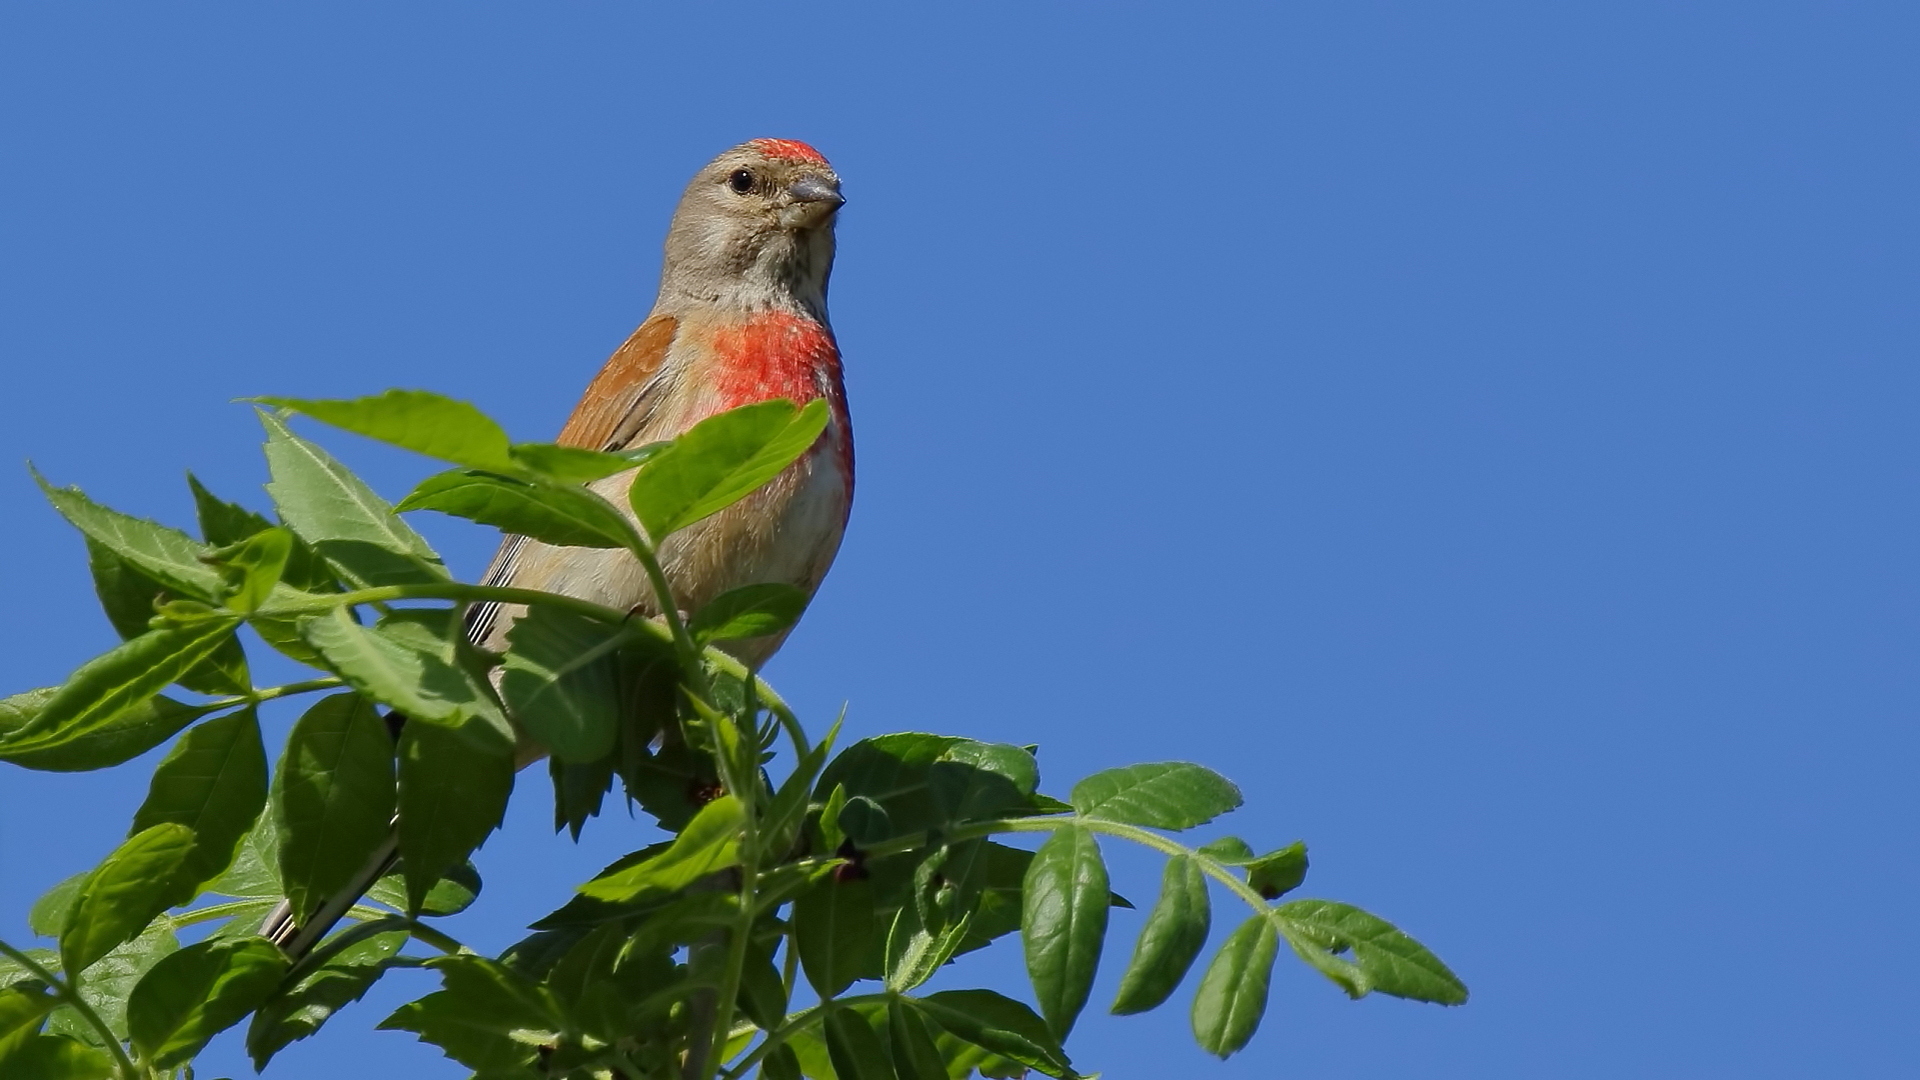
[{"x": 611, "y": 410}]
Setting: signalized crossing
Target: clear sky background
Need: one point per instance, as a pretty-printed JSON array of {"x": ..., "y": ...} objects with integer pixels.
[{"x": 1484, "y": 430}]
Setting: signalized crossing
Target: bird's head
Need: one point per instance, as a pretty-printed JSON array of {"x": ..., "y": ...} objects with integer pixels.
[{"x": 755, "y": 229}]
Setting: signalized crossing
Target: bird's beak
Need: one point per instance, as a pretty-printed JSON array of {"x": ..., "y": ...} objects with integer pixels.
[{"x": 814, "y": 201}]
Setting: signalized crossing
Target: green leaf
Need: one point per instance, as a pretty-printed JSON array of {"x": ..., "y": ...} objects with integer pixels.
[
  {"x": 128, "y": 598},
  {"x": 106, "y": 984},
  {"x": 334, "y": 976},
  {"x": 749, "y": 611},
  {"x": 1230, "y": 851},
  {"x": 168, "y": 556},
  {"x": 932, "y": 781},
  {"x": 1384, "y": 959},
  {"x": 574, "y": 465},
  {"x": 855, "y": 1048},
  {"x": 1063, "y": 923},
  {"x": 222, "y": 522},
  {"x": 561, "y": 681},
  {"x": 407, "y": 665},
  {"x": 254, "y": 567},
  {"x": 453, "y": 794},
  {"x": 215, "y": 783},
  {"x": 334, "y": 795},
  {"x": 486, "y": 1017},
  {"x": 1176, "y": 929},
  {"x": 122, "y": 895},
  {"x": 115, "y": 689},
  {"x": 417, "y": 420},
  {"x": 1233, "y": 993},
  {"x": 836, "y": 928},
  {"x": 21, "y": 1006},
  {"x": 255, "y": 872},
  {"x": 454, "y": 893},
  {"x": 915, "y": 1057},
  {"x": 349, "y": 526},
  {"x": 709, "y": 843},
  {"x": 1274, "y": 875},
  {"x": 49, "y": 913},
  {"x": 720, "y": 460},
  {"x": 135, "y": 732},
  {"x": 198, "y": 992},
  {"x": 1163, "y": 795},
  {"x": 56, "y": 1057},
  {"x": 564, "y": 516},
  {"x": 999, "y": 1024}
]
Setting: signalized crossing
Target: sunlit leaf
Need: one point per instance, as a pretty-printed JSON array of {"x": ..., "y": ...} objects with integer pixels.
[
  {"x": 709, "y": 843},
  {"x": 1161, "y": 795},
  {"x": 132, "y": 733},
  {"x": 1383, "y": 958},
  {"x": 349, "y": 526},
  {"x": 720, "y": 460},
  {"x": 417, "y": 420},
  {"x": 116, "y": 689}
]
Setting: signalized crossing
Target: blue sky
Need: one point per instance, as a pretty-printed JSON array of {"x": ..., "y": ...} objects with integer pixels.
[{"x": 1485, "y": 431}]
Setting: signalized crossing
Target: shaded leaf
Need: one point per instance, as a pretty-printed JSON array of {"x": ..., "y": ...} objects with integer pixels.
[
  {"x": 334, "y": 976},
  {"x": 124, "y": 893},
  {"x": 334, "y": 795},
  {"x": 1064, "y": 922},
  {"x": 576, "y": 465},
  {"x": 720, "y": 460},
  {"x": 564, "y": 516},
  {"x": 1162, "y": 795},
  {"x": 454, "y": 893},
  {"x": 561, "y": 680},
  {"x": 21, "y": 1006},
  {"x": 999, "y": 1024},
  {"x": 1279, "y": 873},
  {"x": 1229, "y": 850},
  {"x": 486, "y": 1016},
  {"x": 915, "y": 1057},
  {"x": 836, "y": 928},
  {"x": 214, "y": 781},
  {"x": 749, "y": 611},
  {"x": 105, "y": 985},
  {"x": 453, "y": 793},
  {"x": 1176, "y": 929},
  {"x": 196, "y": 993},
  {"x": 855, "y": 1048},
  {"x": 1233, "y": 993},
  {"x": 56, "y": 1057}
]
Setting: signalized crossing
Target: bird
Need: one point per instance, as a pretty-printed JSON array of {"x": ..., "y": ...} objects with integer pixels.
[{"x": 740, "y": 318}]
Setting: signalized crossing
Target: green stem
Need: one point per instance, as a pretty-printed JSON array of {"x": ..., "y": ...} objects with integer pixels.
[
  {"x": 72, "y": 997},
  {"x": 732, "y": 975},
  {"x": 427, "y": 935},
  {"x": 796, "y": 1023}
]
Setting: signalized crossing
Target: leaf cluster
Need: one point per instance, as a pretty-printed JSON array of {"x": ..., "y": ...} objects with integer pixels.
[{"x": 800, "y": 898}]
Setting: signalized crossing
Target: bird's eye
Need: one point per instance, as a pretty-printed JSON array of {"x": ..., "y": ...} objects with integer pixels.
[{"x": 741, "y": 181}]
